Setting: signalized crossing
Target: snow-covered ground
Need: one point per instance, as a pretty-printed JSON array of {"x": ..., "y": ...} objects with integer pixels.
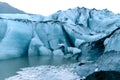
[{"x": 47, "y": 72}]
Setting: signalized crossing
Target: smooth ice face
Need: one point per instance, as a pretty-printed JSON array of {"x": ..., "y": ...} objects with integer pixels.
[
  {"x": 81, "y": 28},
  {"x": 3, "y": 29},
  {"x": 47, "y": 73},
  {"x": 16, "y": 39}
]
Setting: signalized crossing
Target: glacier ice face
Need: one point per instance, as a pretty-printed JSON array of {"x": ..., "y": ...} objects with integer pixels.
[
  {"x": 89, "y": 31},
  {"x": 3, "y": 29},
  {"x": 34, "y": 45},
  {"x": 22, "y": 16},
  {"x": 51, "y": 34},
  {"x": 114, "y": 42},
  {"x": 15, "y": 42},
  {"x": 58, "y": 52}
]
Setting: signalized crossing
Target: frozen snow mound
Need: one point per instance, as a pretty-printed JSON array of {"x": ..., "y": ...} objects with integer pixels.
[
  {"x": 46, "y": 73},
  {"x": 88, "y": 31}
]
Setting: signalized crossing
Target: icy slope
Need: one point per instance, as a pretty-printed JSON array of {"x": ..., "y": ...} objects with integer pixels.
[{"x": 79, "y": 33}]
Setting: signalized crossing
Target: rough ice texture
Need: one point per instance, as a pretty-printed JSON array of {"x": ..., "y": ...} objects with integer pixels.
[
  {"x": 89, "y": 31},
  {"x": 109, "y": 61},
  {"x": 47, "y": 73},
  {"x": 88, "y": 35}
]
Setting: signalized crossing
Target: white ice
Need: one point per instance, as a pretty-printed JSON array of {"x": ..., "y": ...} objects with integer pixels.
[
  {"x": 65, "y": 72},
  {"x": 27, "y": 34},
  {"x": 22, "y": 16}
]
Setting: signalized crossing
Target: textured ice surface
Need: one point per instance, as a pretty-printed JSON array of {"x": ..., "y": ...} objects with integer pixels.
[
  {"x": 82, "y": 28},
  {"x": 65, "y": 72},
  {"x": 22, "y": 16},
  {"x": 80, "y": 33},
  {"x": 114, "y": 42}
]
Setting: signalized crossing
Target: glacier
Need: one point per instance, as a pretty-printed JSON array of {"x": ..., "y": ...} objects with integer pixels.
[
  {"x": 81, "y": 28},
  {"x": 89, "y": 36}
]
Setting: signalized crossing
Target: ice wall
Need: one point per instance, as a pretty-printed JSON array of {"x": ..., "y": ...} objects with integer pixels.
[
  {"x": 89, "y": 31},
  {"x": 15, "y": 38}
]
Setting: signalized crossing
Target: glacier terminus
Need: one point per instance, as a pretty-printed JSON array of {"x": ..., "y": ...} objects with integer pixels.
[{"x": 89, "y": 36}]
